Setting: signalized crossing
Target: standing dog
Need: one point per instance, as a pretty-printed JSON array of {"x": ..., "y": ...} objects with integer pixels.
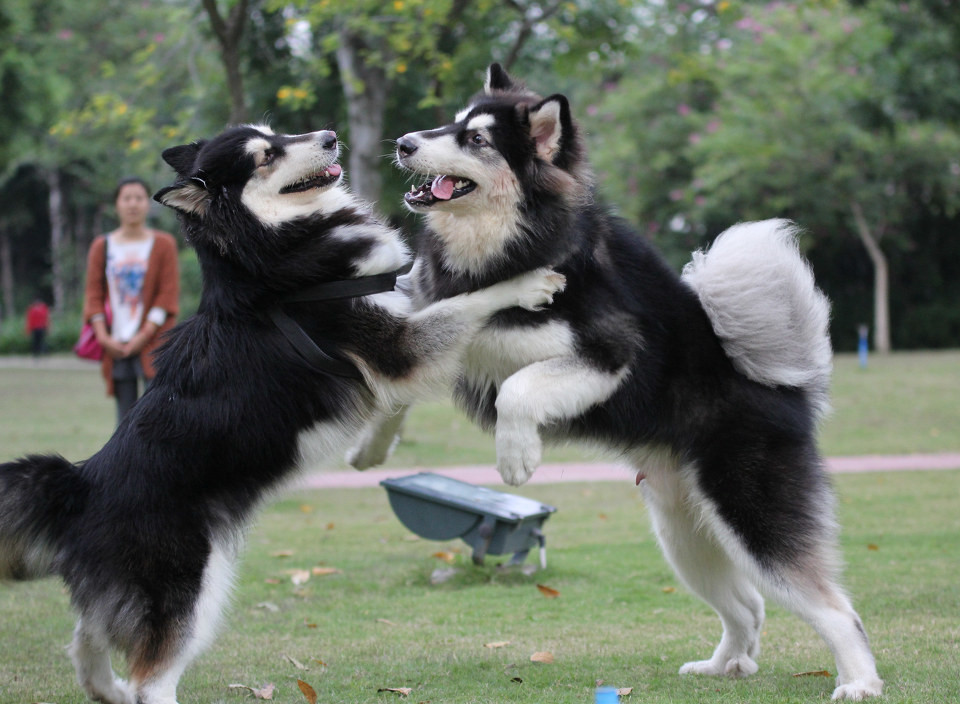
[
  {"x": 298, "y": 338},
  {"x": 711, "y": 386}
]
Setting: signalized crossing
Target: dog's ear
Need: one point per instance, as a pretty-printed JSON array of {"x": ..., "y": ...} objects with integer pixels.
[
  {"x": 181, "y": 158},
  {"x": 497, "y": 80},
  {"x": 550, "y": 126},
  {"x": 188, "y": 196}
]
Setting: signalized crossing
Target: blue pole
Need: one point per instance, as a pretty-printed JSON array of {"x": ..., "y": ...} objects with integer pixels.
[{"x": 862, "y": 345}]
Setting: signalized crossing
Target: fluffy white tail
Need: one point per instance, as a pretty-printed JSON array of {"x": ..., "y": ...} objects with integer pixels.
[{"x": 771, "y": 318}]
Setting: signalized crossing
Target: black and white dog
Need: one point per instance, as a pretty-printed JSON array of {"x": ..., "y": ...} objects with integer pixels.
[
  {"x": 710, "y": 385},
  {"x": 299, "y": 337}
]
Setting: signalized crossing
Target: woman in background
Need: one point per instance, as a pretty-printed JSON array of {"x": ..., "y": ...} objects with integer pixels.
[{"x": 132, "y": 293}]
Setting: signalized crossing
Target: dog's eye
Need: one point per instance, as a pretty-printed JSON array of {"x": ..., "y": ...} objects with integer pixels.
[
  {"x": 268, "y": 156},
  {"x": 478, "y": 140}
]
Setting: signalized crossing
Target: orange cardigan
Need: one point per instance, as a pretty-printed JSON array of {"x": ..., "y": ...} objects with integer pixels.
[{"x": 161, "y": 288}]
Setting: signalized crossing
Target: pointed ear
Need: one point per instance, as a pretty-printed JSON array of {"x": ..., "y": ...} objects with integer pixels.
[
  {"x": 181, "y": 158},
  {"x": 188, "y": 197},
  {"x": 497, "y": 80},
  {"x": 550, "y": 122}
]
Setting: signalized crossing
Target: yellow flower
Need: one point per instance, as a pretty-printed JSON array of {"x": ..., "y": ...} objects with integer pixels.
[
  {"x": 121, "y": 109},
  {"x": 398, "y": 5},
  {"x": 401, "y": 67},
  {"x": 723, "y": 5},
  {"x": 283, "y": 93},
  {"x": 135, "y": 144},
  {"x": 299, "y": 93}
]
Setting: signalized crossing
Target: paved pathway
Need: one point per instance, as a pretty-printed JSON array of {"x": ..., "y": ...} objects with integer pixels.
[{"x": 599, "y": 472}]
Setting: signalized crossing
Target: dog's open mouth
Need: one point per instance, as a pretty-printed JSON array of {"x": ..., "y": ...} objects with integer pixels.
[
  {"x": 317, "y": 179},
  {"x": 442, "y": 188}
]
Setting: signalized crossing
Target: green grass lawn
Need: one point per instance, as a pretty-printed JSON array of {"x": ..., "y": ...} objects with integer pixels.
[{"x": 620, "y": 617}]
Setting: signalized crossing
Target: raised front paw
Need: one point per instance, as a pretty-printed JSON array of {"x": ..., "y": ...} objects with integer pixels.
[
  {"x": 537, "y": 288},
  {"x": 518, "y": 451}
]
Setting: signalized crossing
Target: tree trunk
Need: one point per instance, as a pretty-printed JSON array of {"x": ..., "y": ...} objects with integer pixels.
[
  {"x": 55, "y": 206},
  {"x": 6, "y": 274},
  {"x": 228, "y": 32},
  {"x": 365, "y": 87},
  {"x": 881, "y": 281}
]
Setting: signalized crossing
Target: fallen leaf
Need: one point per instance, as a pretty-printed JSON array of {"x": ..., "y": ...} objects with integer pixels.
[
  {"x": 545, "y": 657},
  {"x": 282, "y": 553},
  {"x": 669, "y": 590},
  {"x": 383, "y": 620},
  {"x": 308, "y": 624},
  {"x": 299, "y": 577},
  {"x": 324, "y": 571},
  {"x": 296, "y": 663},
  {"x": 871, "y": 546},
  {"x": 309, "y": 692},
  {"x": 548, "y": 592},
  {"x": 447, "y": 557},
  {"x": 402, "y": 691},
  {"x": 813, "y": 673},
  {"x": 306, "y": 508},
  {"x": 624, "y": 691},
  {"x": 602, "y": 516},
  {"x": 331, "y": 526},
  {"x": 497, "y": 644},
  {"x": 265, "y": 692},
  {"x": 321, "y": 663}
]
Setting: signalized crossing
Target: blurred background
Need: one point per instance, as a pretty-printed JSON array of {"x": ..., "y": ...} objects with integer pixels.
[{"x": 842, "y": 115}]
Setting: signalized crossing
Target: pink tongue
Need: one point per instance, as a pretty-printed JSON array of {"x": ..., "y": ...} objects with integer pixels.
[
  {"x": 334, "y": 169},
  {"x": 442, "y": 187}
]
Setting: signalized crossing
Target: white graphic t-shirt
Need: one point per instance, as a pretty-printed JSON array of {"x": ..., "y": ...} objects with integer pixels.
[{"x": 126, "y": 269}]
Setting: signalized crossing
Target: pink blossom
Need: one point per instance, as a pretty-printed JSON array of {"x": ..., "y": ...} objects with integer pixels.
[
  {"x": 683, "y": 109},
  {"x": 695, "y": 138},
  {"x": 713, "y": 126},
  {"x": 65, "y": 34}
]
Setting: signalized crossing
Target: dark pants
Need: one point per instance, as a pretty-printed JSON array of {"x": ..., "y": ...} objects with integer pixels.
[
  {"x": 127, "y": 374},
  {"x": 38, "y": 342}
]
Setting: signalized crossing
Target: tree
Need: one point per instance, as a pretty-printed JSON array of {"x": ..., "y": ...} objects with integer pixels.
[{"x": 789, "y": 112}]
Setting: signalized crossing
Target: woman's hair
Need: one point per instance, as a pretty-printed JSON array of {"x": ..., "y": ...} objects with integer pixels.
[{"x": 126, "y": 182}]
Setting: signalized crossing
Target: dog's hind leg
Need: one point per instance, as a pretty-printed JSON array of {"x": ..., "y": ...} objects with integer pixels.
[
  {"x": 701, "y": 562},
  {"x": 90, "y": 652},
  {"x": 156, "y": 677},
  {"x": 809, "y": 591}
]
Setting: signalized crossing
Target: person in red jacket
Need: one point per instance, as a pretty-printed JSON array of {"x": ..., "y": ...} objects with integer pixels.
[
  {"x": 135, "y": 270},
  {"x": 38, "y": 323}
]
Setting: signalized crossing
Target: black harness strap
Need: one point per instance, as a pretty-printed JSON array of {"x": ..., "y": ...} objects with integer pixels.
[{"x": 310, "y": 349}]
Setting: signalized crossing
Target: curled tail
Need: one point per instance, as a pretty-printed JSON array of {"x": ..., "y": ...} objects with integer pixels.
[
  {"x": 765, "y": 307},
  {"x": 39, "y": 497}
]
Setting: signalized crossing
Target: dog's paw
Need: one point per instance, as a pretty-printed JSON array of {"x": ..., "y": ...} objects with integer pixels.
[
  {"x": 740, "y": 666},
  {"x": 537, "y": 288},
  {"x": 518, "y": 451},
  {"x": 858, "y": 690}
]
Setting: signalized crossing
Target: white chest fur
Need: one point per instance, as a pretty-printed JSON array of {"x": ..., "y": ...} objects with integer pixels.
[{"x": 496, "y": 353}]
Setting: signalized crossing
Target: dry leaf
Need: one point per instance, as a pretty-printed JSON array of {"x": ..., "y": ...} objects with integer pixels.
[
  {"x": 813, "y": 673},
  {"x": 309, "y": 692},
  {"x": 324, "y": 571},
  {"x": 331, "y": 526},
  {"x": 548, "y": 592},
  {"x": 545, "y": 657},
  {"x": 871, "y": 546},
  {"x": 447, "y": 557},
  {"x": 321, "y": 663},
  {"x": 306, "y": 508},
  {"x": 497, "y": 644},
  {"x": 308, "y": 624},
  {"x": 669, "y": 590},
  {"x": 265, "y": 692},
  {"x": 296, "y": 663},
  {"x": 383, "y": 620},
  {"x": 402, "y": 691},
  {"x": 299, "y": 577},
  {"x": 624, "y": 691},
  {"x": 282, "y": 553}
]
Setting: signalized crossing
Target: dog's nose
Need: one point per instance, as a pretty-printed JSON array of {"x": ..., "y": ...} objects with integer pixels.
[
  {"x": 406, "y": 146},
  {"x": 328, "y": 139}
]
